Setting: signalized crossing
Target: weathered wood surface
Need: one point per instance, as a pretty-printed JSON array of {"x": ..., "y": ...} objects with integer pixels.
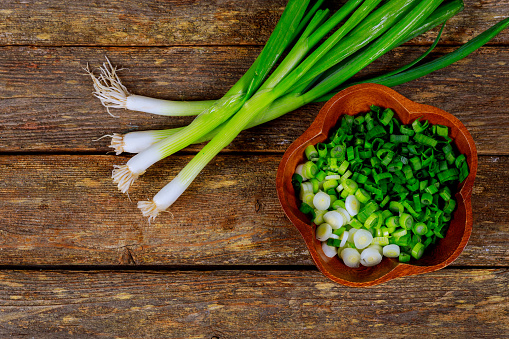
[
  {"x": 176, "y": 22},
  {"x": 449, "y": 303},
  {"x": 46, "y": 102},
  {"x": 60, "y": 210}
]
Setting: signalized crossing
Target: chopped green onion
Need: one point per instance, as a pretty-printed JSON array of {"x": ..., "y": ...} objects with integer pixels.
[
  {"x": 450, "y": 205},
  {"x": 418, "y": 127},
  {"x": 406, "y": 221},
  {"x": 335, "y": 219},
  {"x": 367, "y": 210},
  {"x": 420, "y": 228},
  {"x": 351, "y": 257},
  {"x": 371, "y": 221},
  {"x": 311, "y": 152},
  {"x": 323, "y": 232},
  {"x": 418, "y": 250},
  {"x": 370, "y": 257},
  {"x": 425, "y": 140},
  {"x": 362, "y": 239},
  {"x": 309, "y": 170},
  {"x": 338, "y": 204},
  {"x": 391, "y": 251},
  {"x": 329, "y": 251},
  {"x": 318, "y": 219},
  {"x": 382, "y": 241}
]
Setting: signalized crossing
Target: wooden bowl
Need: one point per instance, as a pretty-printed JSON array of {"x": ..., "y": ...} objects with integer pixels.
[{"x": 354, "y": 100}]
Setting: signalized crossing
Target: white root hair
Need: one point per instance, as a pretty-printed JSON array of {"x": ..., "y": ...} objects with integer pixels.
[
  {"x": 123, "y": 176},
  {"x": 117, "y": 143},
  {"x": 108, "y": 87},
  {"x": 149, "y": 209},
  {"x": 104, "y": 136}
]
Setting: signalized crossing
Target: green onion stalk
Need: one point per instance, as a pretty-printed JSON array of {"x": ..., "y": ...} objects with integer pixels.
[
  {"x": 113, "y": 94},
  {"x": 285, "y": 32},
  {"x": 134, "y": 142},
  {"x": 362, "y": 34},
  {"x": 262, "y": 99},
  {"x": 137, "y": 141},
  {"x": 224, "y": 108}
]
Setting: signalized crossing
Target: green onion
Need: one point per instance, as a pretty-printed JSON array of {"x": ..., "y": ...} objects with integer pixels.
[
  {"x": 323, "y": 232},
  {"x": 420, "y": 228},
  {"x": 391, "y": 251},
  {"x": 370, "y": 257},
  {"x": 398, "y": 220},
  {"x": 406, "y": 221},
  {"x": 404, "y": 257},
  {"x": 311, "y": 152},
  {"x": 443, "y": 12},
  {"x": 418, "y": 250},
  {"x": 450, "y": 205},
  {"x": 222, "y": 109},
  {"x": 112, "y": 94},
  {"x": 351, "y": 257},
  {"x": 309, "y": 170},
  {"x": 404, "y": 18}
]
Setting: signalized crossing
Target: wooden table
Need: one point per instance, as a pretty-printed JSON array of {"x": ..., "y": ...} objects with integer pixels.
[{"x": 79, "y": 260}]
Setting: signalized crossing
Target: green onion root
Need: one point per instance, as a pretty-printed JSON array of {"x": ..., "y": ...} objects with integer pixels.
[{"x": 113, "y": 94}]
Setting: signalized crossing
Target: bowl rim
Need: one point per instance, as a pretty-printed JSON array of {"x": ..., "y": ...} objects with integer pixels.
[{"x": 316, "y": 129}]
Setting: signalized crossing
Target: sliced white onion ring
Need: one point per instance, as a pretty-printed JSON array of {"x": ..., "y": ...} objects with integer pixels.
[
  {"x": 377, "y": 247},
  {"x": 344, "y": 239},
  {"x": 351, "y": 257},
  {"x": 323, "y": 232},
  {"x": 362, "y": 239},
  {"x": 352, "y": 205},
  {"x": 345, "y": 214},
  {"x": 329, "y": 251},
  {"x": 298, "y": 171},
  {"x": 370, "y": 257},
  {"x": 334, "y": 219},
  {"x": 321, "y": 201},
  {"x": 391, "y": 251}
]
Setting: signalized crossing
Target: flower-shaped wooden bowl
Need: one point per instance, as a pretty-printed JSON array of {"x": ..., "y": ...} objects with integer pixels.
[{"x": 358, "y": 99}]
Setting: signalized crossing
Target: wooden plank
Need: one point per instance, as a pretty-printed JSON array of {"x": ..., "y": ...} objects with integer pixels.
[
  {"x": 251, "y": 304},
  {"x": 47, "y": 106},
  {"x": 64, "y": 210},
  {"x": 175, "y": 22}
]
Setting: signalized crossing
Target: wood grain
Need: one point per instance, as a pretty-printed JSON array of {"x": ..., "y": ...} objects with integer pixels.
[
  {"x": 175, "y": 22},
  {"x": 64, "y": 210},
  {"x": 47, "y": 106},
  {"x": 250, "y": 304}
]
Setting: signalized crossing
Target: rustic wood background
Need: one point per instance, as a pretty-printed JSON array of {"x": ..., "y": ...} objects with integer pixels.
[{"x": 78, "y": 259}]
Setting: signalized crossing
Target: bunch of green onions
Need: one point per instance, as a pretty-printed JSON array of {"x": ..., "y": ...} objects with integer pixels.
[{"x": 314, "y": 69}]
